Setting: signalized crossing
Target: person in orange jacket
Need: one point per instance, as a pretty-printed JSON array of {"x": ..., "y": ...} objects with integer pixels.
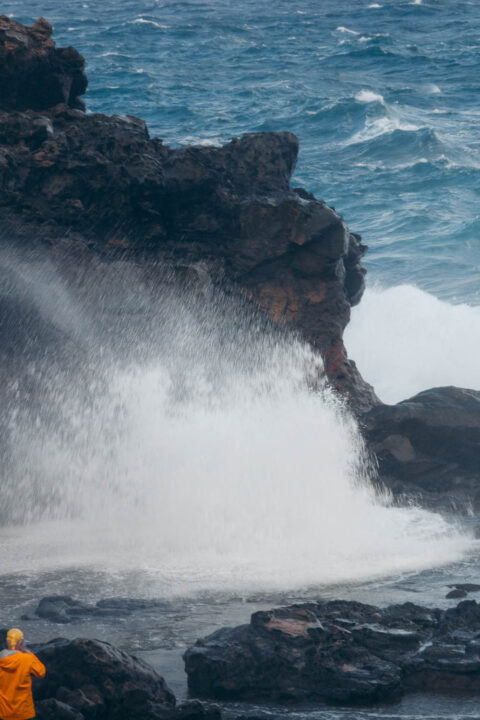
[{"x": 17, "y": 665}]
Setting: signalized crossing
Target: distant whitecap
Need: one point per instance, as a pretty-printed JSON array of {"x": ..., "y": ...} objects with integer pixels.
[
  {"x": 144, "y": 21},
  {"x": 342, "y": 29},
  {"x": 367, "y": 96}
]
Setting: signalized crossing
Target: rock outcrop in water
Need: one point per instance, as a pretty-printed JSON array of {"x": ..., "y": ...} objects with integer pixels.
[
  {"x": 342, "y": 653},
  {"x": 93, "y": 680},
  {"x": 82, "y": 184},
  {"x": 64, "y": 609}
]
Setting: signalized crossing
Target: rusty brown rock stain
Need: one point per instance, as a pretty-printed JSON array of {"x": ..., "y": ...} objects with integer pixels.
[{"x": 291, "y": 626}]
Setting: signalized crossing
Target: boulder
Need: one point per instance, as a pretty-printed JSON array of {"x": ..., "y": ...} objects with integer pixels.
[
  {"x": 93, "y": 680},
  {"x": 340, "y": 652},
  {"x": 96, "y": 680},
  {"x": 428, "y": 447}
]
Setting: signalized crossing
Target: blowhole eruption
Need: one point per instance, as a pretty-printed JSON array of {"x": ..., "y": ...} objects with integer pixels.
[{"x": 182, "y": 430}]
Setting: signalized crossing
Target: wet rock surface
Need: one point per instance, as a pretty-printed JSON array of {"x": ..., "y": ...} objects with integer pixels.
[
  {"x": 65, "y": 609},
  {"x": 428, "y": 447},
  {"x": 340, "y": 652},
  {"x": 93, "y": 679},
  {"x": 222, "y": 215},
  {"x": 34, "y": 74}
]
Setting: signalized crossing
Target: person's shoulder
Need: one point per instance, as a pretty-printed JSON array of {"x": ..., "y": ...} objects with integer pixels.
[{"x": 6, "y": 653}]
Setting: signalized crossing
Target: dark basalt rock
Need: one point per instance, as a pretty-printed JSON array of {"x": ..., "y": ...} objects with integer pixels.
[
  {"x": 53, "y": 709},
  {"x": 33, "y": 73},
  {"x": 73, "y": 184},
  {"x": 89, "y": 679},
  {"x": 455, "y": 594},
  {"x": 98, "y": 680},
  {"x": 466, "y": 587},
  {"x": 65, "y": 609},
  {"x": 340, "y": 653},
  {"x": 428, "y": 447}
]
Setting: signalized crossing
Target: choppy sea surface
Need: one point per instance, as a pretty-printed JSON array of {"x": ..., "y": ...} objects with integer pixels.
[{"x": 384, "y": 99}]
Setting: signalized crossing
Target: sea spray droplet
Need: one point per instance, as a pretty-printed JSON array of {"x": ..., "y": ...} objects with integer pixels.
[{"x": 208, "y": 453}]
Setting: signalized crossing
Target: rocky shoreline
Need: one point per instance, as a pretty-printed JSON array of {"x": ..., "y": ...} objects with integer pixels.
[{"x": 341, "y": 653}]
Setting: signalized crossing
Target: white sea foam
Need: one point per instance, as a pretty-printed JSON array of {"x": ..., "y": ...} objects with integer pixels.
[
  {"x": 346, "y": 30},
  {"x": 405, "y": 340},
  {"x": 367, "y": 96},
  {"x": 380, "y": 126},
  {"x": 206, "y": 460},
  {"x": 205, "y": 142},
  {"x": 433, "y": 89},
  {"x": 255, "y": 492},
  {"x": 145, "y": 21}
]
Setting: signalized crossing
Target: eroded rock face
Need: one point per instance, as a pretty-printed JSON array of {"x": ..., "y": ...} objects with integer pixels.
[
  {"x": 428, "y": 447},
  {"x": 34, "y": 74},
  {"x": 224, "y": 215},
  {"x": 341, "y": 653}
]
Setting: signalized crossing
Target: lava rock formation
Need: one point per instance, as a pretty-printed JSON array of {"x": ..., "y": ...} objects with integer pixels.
[{"x": 340, "y": 652}]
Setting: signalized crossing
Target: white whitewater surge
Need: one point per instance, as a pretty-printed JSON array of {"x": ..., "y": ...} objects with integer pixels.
[
  {"x": 405, "y": 340},
  {"x": 213, "y": 466}
]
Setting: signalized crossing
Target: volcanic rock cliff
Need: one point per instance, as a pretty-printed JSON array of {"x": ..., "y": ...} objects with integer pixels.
[
  {"x": 225, "y": 215},
  {"x": 76, "y": 187}
]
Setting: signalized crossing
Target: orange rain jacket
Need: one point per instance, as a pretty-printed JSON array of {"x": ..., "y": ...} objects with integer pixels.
[{"x": 16, "y": 701}]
